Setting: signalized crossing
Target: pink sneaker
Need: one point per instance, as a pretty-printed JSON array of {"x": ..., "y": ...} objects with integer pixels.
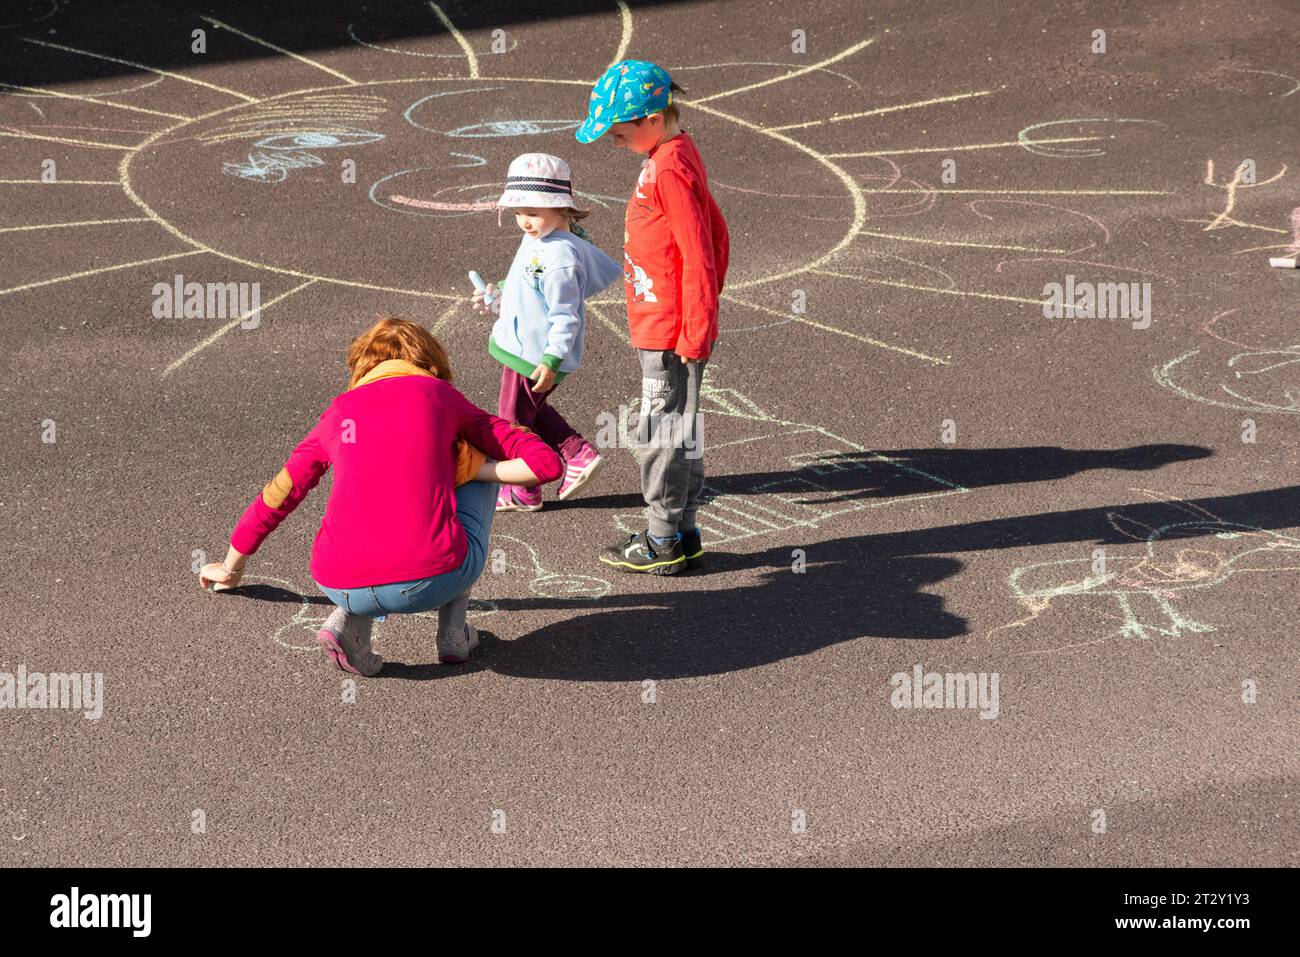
[
  {"x": 516, "y": 498},
  {"x": 579, "y": 470}
]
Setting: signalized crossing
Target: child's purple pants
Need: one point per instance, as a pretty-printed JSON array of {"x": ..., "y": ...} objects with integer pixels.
[{"x": 520, "y": 405}]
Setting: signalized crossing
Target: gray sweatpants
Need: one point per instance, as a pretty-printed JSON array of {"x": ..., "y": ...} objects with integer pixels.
[{"x": 670, "y": 440}]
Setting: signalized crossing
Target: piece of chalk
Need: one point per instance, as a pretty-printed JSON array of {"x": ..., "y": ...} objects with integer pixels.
[
  {"x": 481, "y": 286},
  {"x": 1283, "y": 262}
]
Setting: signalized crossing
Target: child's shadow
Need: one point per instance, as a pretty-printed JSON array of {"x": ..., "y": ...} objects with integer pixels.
[{"x": 665, "y": 631}]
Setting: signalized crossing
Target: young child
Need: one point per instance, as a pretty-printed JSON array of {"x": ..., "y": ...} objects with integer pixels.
[
  {"x": 538, "y": 336},
  {"x": 675, "y": 255}
]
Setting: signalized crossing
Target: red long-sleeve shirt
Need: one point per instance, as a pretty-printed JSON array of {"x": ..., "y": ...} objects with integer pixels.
[
  {"x": 675, "y": 253},
  {"x": 391, "y": 515}
]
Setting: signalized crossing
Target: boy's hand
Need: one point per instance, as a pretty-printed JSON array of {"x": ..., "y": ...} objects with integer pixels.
[
  {"x": 543, "y": 378},
  {"x": 476, "y": 300}
]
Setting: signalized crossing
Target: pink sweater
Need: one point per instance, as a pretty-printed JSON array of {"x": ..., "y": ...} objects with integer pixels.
[{"x": 391, "y": 515}]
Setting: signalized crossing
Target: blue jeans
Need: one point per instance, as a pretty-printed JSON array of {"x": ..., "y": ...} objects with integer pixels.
[{"x": 475, "y": 507}]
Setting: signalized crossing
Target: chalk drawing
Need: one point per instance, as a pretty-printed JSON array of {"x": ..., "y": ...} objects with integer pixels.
[
  {"x": 293, "y": 126},
  {"x": 484, "y": 195},
  {"x": 1145, "y": 586},
  {"x": 1254, "y": 378},
  {"x": 675, "y": 69},
  {"x": 1225, "y": 219},
  {"x": 299, "y": 633},
  {"x": 1285, "y": 76},
  {"x": 289, "y": 152},
  {"x": 1070, "y": 152},
  {"x": 550, "y": 584},
  {"x": 267, "y": 168},
  {"x": 807, "y": 460},
  {"x": 1292, "y": 248}
]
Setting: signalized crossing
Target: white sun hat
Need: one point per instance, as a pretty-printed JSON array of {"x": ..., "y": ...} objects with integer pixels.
[{"x": 537, "y": 180}]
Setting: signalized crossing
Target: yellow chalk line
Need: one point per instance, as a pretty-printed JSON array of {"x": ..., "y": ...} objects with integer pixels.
[
  {"x": 608, "y": 323},
  {"x": 855, "y": 192},
  {"x": 271, "y": 46},
  {"x": 446, "y": 314},
  {"x": 227, "y": 327},
  {"x": 840, "y": 118},
  {"x": 459, "y": 37},
  {"x": 941, "y": 190},
  {"x": 625, "y": 41},
  {"x": 789, "y": 76},
  {"x": 141, "y": 66},
  {"x": 91, "y": 99},
  {"x": 969, "y": 146},
  {"x": 84, "y": 222},
  {"x": 63, "y": 182},
  {"x": 913, "y": 286},
  {"x": 840, "y": 332},
  {"x": 954, "y": 242},
  {"x": 94, "y": 272},
  {"x": 67, "y": 141}
]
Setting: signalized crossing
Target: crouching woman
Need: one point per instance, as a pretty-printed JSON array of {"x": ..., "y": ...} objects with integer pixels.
[{"x": 417, "y": 467}]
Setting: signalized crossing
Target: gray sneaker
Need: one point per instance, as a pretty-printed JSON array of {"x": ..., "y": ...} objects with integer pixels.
[{"x": 346, "y": 639}]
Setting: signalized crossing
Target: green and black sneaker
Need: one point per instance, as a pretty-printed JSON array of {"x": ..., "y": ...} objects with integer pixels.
[
  {"x": 639, "y": 554},
  {"x": 691, "y": 547}
]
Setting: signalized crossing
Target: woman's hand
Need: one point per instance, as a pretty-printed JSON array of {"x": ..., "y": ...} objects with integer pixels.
[
  {"x": 223, "y": 576},
  {"x": 543, "y": 378},
  {"x": 476, "y": 300}
]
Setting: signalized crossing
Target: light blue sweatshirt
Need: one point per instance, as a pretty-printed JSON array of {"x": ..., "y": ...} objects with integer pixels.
[{"x": 542, "y": 316}]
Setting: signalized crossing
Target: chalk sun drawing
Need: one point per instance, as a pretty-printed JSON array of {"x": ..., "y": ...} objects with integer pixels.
[{"x": 384, "y": 123}]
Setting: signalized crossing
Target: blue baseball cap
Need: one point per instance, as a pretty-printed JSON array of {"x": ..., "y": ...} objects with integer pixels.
[{"x": 628, "y": 90}]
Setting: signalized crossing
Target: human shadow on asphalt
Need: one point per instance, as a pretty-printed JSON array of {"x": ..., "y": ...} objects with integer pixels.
[
  {"x": 853, "y": 476},
  {"x": 147, "y": 32},
  {"x": 867, "y": 586},
  {"x": 275, "y": 593}
]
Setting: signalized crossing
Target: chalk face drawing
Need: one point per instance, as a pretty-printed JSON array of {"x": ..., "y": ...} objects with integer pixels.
[
  {"x": 1194, "y": 551},
  {"x": 800, "y": 475},
  {"x": 273, "y": 160}
]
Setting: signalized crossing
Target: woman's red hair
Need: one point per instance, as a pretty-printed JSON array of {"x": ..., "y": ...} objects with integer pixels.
[{"x": 394, "y": 338}]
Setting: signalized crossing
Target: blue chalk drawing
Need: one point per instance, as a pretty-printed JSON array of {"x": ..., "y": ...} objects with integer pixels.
[
  {"x": 270, "y": 167},
  {"x": 514, "y": 128},
  {"x": 488, "y": 128},
  {"x": 317, "y": 140},
  {"x": 289, "y": 152}
]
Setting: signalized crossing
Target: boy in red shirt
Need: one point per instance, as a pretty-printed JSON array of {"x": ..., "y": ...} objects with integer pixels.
[{"x": 675, "y": 255}]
